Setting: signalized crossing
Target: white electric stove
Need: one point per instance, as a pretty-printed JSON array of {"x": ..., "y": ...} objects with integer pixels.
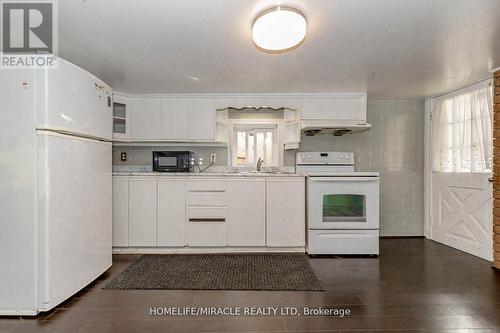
[{"x": 342, "y": 205}]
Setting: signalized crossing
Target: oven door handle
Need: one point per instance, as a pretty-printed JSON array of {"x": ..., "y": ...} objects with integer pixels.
[{"x": 343, "y": 179}]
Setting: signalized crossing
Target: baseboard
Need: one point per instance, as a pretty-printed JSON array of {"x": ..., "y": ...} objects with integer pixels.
[
  {"x": 17, "y": 313},
  {"x": 402, "y": 236},
  {"x": 175, "y": 250}
]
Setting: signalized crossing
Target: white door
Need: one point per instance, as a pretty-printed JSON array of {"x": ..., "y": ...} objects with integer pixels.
[
  {"x": 142, "y": 212},
  {"x": 175, "y": 119},
  {"x": 285, "y": 211},
  {"x": 343, "y": 203},
  {"x": 172, "y": 211},
  {"x": 121, "y": 118},
  {"x": 246, "y": 210},
  {"x": 146, "y": 119},
  {"x": 461, "y": 213},
  {"x": 201, "y": 125},
  {"x": 120, "y": 211}
]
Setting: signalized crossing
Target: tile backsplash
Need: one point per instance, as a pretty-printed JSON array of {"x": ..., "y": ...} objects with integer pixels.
[
  {"x": 142, "y": 156},
  {"x": 394, "y": 146}
]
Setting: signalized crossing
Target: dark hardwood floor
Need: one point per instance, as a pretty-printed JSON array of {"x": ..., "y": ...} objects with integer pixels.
[{"x": 415, "y": 285}]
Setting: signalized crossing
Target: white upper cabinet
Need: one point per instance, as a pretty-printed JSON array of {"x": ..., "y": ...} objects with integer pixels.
[
  {"x": 291, "y": 129},
  {"x": 201, "y": 120},
  {"x": 175, "y": 119},
  {"x": 172, "y": 119},
  {"x": 121, "y": 118},
  {"x": 348, "y": 107},
  {"x": 196, "y": 119},
  {"x": 146, "y": 119}
]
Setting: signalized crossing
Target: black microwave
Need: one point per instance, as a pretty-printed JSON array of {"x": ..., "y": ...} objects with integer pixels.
[{"x": 172, "y": 161}]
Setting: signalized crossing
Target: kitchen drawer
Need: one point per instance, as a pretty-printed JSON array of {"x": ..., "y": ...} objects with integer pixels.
[
  {"x": 206, "y": 212},
  {"x": 207, "y": 199},
  {"x": 208, "y": 185},
  {"x": 207, "y": 233},
  {"x": 343, "y": 242}
]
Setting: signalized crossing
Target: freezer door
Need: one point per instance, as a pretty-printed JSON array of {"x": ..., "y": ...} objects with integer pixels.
[
  {"x": 75, "y": 208},
  {"x": 73, "y": 100}
]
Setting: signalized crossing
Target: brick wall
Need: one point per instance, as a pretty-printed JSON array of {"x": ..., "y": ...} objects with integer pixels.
[{"x": 496, "y": 169}]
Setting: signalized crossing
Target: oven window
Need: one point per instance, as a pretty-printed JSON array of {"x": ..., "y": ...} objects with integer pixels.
[
  {"x": 167, "y": 161},
  {"x": 344, "y": 208}
]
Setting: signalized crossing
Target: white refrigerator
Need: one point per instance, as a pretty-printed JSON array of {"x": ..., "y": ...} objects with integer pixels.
[{"x": 55, "y": 185}]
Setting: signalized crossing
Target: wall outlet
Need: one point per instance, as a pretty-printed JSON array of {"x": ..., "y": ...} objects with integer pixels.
[
  {"x": 212, "y": 158},
  {"x": 123, "y": 156}
]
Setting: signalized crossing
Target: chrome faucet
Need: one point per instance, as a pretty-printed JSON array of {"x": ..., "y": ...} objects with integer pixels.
[{"x": 259, "y": 164}]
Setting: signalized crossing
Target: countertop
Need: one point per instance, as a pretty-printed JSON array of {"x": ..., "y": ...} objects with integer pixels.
[{"x": 207, "y": 174}]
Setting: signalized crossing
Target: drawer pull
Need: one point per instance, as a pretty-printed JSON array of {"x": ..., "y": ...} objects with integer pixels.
[
  {"x": 207, "y": 220},
  {"x": 207, "y": 191}
]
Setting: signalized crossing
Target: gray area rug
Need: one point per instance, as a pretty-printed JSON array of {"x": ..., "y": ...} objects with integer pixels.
[{"x": 218, "y": 272}]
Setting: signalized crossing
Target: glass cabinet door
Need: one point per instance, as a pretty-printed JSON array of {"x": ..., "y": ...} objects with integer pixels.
[
  {"x": 344, "y": 208},
  {"x": 119, "y": 118}
]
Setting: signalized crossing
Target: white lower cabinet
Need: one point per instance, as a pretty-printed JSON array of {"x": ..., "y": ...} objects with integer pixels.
[
  {"x": 246, "y": 212},
  {"x": 285, "y": 211},
  {"x": 142, "y": 212},
  {"x": 171, "y": 212},
  {"x": 179, "y": 211},
  {"x": 120, "y": 212},
  {"x": 207, "y": 233},
  {"x": 207, "y": 212}
]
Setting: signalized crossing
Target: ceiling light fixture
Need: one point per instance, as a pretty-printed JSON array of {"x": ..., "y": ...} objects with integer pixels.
[{"x": 279, "y": 29}]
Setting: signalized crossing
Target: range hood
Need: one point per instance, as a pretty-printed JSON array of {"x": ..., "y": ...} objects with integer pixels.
[{"x": 332, "y": 127}]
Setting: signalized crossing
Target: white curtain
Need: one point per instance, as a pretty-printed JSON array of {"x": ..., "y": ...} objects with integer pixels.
[{"x": 462, "y": 131}]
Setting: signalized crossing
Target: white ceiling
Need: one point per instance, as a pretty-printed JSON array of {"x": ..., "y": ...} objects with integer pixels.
[{"x": 390, "y": 48}]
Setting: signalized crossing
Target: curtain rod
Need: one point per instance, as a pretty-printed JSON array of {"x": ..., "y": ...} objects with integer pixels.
[{"x": 469, "y": 85}]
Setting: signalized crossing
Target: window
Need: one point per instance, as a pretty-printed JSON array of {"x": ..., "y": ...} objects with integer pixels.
[
  {"x": 462, "y": 131},
  {"x": 254, "y": 141}
]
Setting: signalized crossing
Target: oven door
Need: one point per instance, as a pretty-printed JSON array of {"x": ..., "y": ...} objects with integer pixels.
[{"x": 343, "y": 202}]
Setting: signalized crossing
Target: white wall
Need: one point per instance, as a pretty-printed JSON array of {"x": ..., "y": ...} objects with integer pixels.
[
  {"x": 144, "y": 155},
  {"x": 394, "y": 146}
]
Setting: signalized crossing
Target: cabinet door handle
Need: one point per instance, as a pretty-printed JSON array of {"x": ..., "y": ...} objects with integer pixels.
[
  {"x": 207, "y": 220},
  {"x": 490, "y": 179}
]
